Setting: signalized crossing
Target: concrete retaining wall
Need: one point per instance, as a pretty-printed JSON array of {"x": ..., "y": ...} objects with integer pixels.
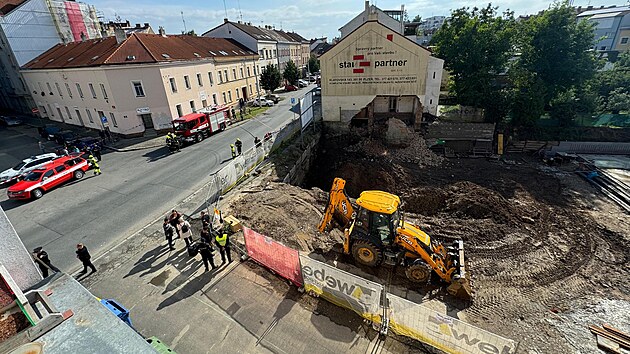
[{"x": 300, "y": 169}]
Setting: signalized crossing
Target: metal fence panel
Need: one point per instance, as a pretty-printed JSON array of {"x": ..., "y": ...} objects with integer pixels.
[
  {"x": 442, "y": 331},
  {"x": 342, "y": 288},
  {"x": 281, "y": 259}
]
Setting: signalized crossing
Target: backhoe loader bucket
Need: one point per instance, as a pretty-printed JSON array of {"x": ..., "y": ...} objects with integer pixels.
[{"x": 460, "y": 286}]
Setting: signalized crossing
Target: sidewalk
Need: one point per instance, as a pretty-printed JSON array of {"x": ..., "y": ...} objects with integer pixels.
[{"x": 241, "y": 308}]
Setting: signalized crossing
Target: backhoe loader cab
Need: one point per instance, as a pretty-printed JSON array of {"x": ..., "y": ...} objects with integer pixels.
[{"x": 376, "y": 233}]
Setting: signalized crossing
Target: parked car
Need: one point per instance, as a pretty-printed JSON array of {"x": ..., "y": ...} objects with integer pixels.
[
  {"x": 27, "y": 165},
  {"x": 49, "y": 131},
  {"x": 302, "y": 83},
  {"x": 88, "y": 143},
  {"x": 273, "y": 97},
  {"x": 290, "y": 87},
  {"x": 10, "y": 121},
  {"x": 262, "y": 102},
  {"x": 65, "y": 137},
  {"x": 48, "y": 176}
]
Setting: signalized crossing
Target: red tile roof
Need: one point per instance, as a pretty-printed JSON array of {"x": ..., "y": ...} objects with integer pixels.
[
  {"x": 136, "y": 49},
  {"x": 7, "y": 6}
]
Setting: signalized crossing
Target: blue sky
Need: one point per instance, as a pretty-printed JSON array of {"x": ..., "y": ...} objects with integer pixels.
[{"x": 310, "y": 18}]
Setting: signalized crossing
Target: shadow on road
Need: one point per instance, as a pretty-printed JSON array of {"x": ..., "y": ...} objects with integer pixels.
[
  {"x": 157, "y": 154},
  {"x": 11, "y": 204}
]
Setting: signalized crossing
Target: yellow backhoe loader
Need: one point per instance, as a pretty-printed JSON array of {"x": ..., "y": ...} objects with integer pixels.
[{"x": 377, "y": 233}]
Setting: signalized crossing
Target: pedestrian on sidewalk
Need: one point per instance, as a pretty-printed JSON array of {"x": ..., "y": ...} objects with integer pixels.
[
  {"x": 92, "y": 161},
  {"x": 41, "y": 257},
  {"x": 239, "y": 145},
  {"x": 169, "y": 232},
  {"x": 233, "y": 149},
  {"x": 84, "y": 256},
  {"x": 42, "y": 147},
  {"x": 185, "y": 231},
  {"x": 174, "y": 219},
  {"x": 222, "y": 240},
  {"x": 257, "y": 142},
  {"x": 206, "y": 250},
  {"x": 205, "y": 220}
]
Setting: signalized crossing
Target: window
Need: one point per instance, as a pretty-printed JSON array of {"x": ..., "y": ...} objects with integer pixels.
[
  {"x": 431, "y": 101},
  {"x": 624, "y": 40},
  {"x": 113, "y": 117},
  {"x": 68, "y": 88},
  {"x": 220, "y": 78},
  {"x": 199, "y": 80},
  {"x": 103, "y": 90},
  {"x": 230, "y": 95},
  {"x": 78, "y": 115},
  {"x": 58, "y": 89},
  {"x": 137, "y": 88},
  {"x": 234, "y": 73},
  {"x": 237, "y": 94},
  {"x": 48, "y": 174},
  {"x": 274, "y": 54},
  {"x": 434, "y": 75},
  {"x": 210, "y": 78},
  {"x": 60, "y": 114},
  {"x": 101, "y": 114},
  {"x": 89, "y": 115},
  {"x": 60, "y": 168},
  {"x": 241, "y": 69},
  {"x": 192, "y": 106},
  {"x": 226, "y": 76},
  {"x": 50, "y": 110},
  {"x": 49, "y": 89},
  {"x": 266, "y": 54},
  {"x": 173, "y": 85},
  {"x": 92, "y": 90},
  {"x": 248, "y": 73},
  {"x": 250, "y": 89},
  {"x": 214, "y": 98},
  {"x": 179, "y": 110},
  {"x": 79, "y": 90},
  {"x": 262, "y": 54},
  {"x": 204, "y": 103},
  {"x": 224, "y": 100},
  {"x": 187, "y": 82}
]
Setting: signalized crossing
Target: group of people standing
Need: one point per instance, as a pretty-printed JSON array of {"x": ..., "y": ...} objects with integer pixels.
[{"x": 175, "y": 226}]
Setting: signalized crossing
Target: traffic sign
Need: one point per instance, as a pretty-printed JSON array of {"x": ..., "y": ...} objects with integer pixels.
[
  {"x": 103, "y": 119},
  {"x": 292, "y": 100}
]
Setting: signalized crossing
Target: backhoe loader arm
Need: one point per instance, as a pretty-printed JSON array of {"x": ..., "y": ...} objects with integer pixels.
[{"x": 339, "y": 206}]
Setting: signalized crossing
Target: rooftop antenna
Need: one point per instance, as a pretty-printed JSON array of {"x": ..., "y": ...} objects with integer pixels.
[
  {"x": 225, "y": 8},
  {"x": 184, "y": 21},
  {"x": 238, "y": 3}
]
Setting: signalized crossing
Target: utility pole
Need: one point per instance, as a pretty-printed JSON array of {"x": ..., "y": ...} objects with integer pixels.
[{"x": 184, "y": 21}]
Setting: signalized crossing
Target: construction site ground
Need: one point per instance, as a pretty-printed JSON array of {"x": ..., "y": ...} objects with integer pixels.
[{"x": 548, "y": 254}]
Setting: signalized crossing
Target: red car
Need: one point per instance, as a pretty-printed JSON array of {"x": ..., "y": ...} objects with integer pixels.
[
  {"x": 290, "y": 87},
  {"x": 49, "y": 176}
]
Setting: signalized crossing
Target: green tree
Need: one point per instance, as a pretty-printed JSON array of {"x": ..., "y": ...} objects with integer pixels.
[
  {"x": 619, "y": 100},
  {"x": 291, "y": 73},
  {"x": 313, "y": 64},
  {"x": 270, "y": 78},
  {"x": 607, "y": 81},
  {"x": 476, "y": 45},
  {"x": 554, "y": 61},
  {"x": 418, "y": 18},
  {"x": 190, "y": 33}
]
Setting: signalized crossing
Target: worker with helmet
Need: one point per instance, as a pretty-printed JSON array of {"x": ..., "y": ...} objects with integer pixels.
[
  {"x": 233, "y": 149},
  {"x": 94, "y": 163}
]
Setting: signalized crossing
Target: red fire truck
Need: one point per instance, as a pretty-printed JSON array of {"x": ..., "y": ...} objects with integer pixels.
[{"x": 194, "y": 127}]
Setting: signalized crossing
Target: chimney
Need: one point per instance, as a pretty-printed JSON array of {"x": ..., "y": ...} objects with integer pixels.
[
  {"x": 127, "y": 23},
  {"x": 137, "y": 25},
  {"x": 239, "y": 22},
  {"x": 146, "y": 24},
  {"x": 83, "y": 37},
  {"x": 120, "y": 35},
  {"x": 162, "y": 32},
  {"x": 367, "y": 5},
  {"x": 225, "y": 20}
]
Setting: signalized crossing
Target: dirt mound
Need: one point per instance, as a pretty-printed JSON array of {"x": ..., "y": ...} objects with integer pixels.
[{"x": 416, "y": 151}]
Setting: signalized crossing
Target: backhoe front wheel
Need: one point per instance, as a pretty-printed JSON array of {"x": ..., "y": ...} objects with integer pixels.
[
  {"x": 366, "y": 253},
  {"x": 419, "y": 272}
]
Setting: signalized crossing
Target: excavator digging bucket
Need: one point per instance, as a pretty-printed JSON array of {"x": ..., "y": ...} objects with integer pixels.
[{"x": 461, "y": 287}]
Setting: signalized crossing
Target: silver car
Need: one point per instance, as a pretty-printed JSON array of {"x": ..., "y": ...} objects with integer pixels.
[{"x": 27, "y": 165}]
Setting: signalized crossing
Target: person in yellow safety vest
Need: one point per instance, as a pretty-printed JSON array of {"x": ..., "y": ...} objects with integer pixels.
[
  {"x": 233, "y": 150},
  {"x": 92, "y": 161},
  {"x": 222, "y": 240},
  {"x": 171, "y": 138}
]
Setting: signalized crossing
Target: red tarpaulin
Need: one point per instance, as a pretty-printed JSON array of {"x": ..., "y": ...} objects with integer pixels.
[
  {"x": 281, "y": 259},
  {"x": 76, "y": 20}
]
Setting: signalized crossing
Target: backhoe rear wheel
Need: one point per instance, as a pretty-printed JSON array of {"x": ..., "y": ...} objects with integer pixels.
[
  {"x": 366, "y": 253},
  {"x": 419, "y": 272}
]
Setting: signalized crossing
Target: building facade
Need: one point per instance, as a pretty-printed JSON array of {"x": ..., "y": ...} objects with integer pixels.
[
  {"x": 29, "y": 28},
  {"x": 375, "y": 73},
  {"x": 611, "y": 25},
  {"x": 393, "y": 19},
  {"x": 141, "y": 82}
]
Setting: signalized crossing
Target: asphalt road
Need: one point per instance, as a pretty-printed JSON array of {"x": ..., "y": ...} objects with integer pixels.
[{"x": 136, "y": 188}]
